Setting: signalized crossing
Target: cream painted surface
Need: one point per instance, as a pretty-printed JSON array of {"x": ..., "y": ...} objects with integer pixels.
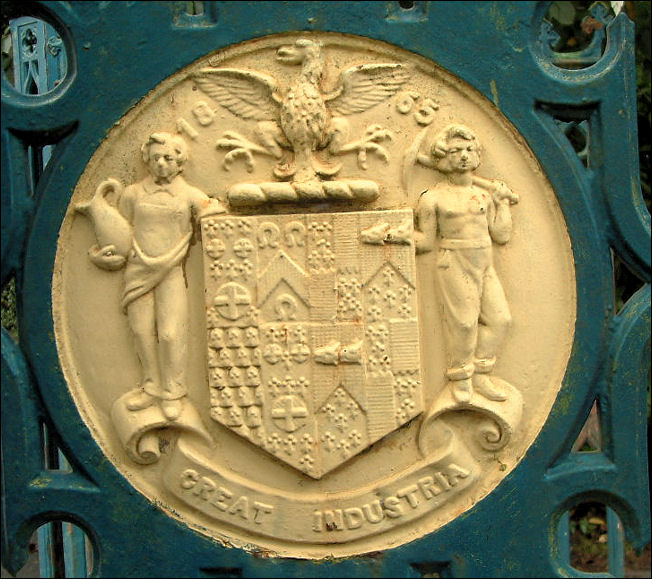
[{"x": 182, "y": 450}]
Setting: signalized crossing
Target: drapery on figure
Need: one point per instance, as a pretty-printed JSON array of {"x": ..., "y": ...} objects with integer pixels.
[
  {"x": 462, "y": 216},
  {"x": 160, "y": 211}
]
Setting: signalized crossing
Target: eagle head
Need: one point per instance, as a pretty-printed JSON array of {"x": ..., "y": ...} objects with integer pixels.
[{"x": 299, "y": 52}]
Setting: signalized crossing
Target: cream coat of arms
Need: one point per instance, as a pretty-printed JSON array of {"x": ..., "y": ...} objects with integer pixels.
[
  {"x": 313, "y": 295},
  {"x": 313, "y": 338}
]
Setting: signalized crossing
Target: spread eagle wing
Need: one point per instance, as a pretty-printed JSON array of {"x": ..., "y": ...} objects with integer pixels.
[
  {"x": 366, "y": 85},
  {"x": 247, "y": 94}
]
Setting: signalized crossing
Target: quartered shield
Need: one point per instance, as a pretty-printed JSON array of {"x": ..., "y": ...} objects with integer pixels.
[{"x": 313, "y": 341}]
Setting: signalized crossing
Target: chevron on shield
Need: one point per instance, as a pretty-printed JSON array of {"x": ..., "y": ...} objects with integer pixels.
[{"x": 312, "y": 331}]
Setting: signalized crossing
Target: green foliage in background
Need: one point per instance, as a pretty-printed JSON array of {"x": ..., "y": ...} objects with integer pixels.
[{"x": 9, "y": 322}]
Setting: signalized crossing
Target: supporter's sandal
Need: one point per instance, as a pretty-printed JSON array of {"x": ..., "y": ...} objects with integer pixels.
[
  {"x": 171, "y": 408},
  {"x": 484, "y": 386},
  {"x": 462, "y": 389},
  {"x": 140, "y": 400}
]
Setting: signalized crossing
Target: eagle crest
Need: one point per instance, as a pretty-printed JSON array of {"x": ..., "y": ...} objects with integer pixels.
[{"x": 299, "y": 121}]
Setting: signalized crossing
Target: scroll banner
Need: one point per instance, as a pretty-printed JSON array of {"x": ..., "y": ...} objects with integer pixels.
[
  {"x": 321, "y": 517},
  {"x": 139, "y": 431},
  {"x": 191, "y": 475}
]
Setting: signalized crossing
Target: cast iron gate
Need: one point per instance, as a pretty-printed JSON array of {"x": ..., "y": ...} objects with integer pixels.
[{"x": 117, "y": 52}]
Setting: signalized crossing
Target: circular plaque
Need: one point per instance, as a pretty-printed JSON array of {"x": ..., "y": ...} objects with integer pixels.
[{"x": 314, "y": 295}]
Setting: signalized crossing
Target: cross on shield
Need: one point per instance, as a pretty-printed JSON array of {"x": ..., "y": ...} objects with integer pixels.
[
  {"x": 231, "y": 299},
  {"x": 313, "y": 337}
]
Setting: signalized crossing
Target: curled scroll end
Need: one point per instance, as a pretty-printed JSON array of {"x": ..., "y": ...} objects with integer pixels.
[
  {"x": 435, "y": 436},
  {"x": 138, "y": 429},
  {"x": 500, "y": 416},
  {"x": 146, "y": 449},
  {"x": 493, "y": 434}
]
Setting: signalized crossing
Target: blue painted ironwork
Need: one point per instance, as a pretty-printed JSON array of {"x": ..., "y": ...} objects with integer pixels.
[
  {"x": 588, "y": 55},
  {"x": 117, "y": 52},
  {"x": 40, "y": 64}
]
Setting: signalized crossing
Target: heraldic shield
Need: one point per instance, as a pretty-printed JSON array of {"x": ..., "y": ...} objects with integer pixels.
[{"x": 313, "y": 338}]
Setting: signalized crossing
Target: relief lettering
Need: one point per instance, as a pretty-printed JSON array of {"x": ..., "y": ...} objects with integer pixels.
[
  {"x": 209, "y": 491},
  {"x": 409, "y": 493},
  {"x": 392, "y": 507},
  {"x": 189, "y": 478},
  {"x": 204, "y": 488},
  {"x": 454, "y": 473},
  {"x": 221, "y": 498},
  {"x": 317, "y": 521},
  {"x": 260, "y": 510},
  {"x": 240, "y": 507},
  {"x": 442, "y": 480},
  {"x": 428, "y": 487},
  {"x": 353, "y": 517},
  {"x": 334, "y": 520},
  {"x": 373, "y": 512}
]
